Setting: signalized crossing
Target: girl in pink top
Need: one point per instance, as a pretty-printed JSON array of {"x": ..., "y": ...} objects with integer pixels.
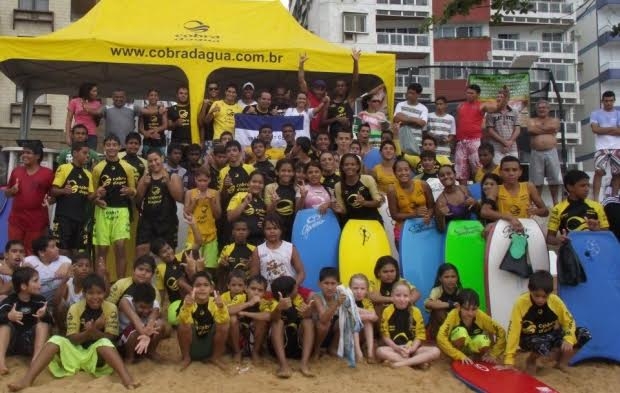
[
  {"x": 84, "y": 109},
  {"x": 313, "y": 194}
]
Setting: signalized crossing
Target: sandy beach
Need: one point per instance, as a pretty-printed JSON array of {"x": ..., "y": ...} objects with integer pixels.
[{"x": 333, "y": 375}]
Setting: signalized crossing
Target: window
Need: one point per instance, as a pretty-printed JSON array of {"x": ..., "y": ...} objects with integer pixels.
[
  {"x": 552, "y": 37},
  {"x": 354, "y": 23},
  {"x": 508, "y": 36},
  {"x": 19, "y": 97},
  {"x": 34, "y": 5},
  {"x": 459, "y": 32}
]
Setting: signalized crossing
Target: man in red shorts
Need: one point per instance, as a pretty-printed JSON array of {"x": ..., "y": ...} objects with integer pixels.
[{"x": 29, "y": 185}]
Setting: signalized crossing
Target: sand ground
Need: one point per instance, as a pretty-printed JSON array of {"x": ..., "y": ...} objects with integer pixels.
[{"x": 333, "y": 375}]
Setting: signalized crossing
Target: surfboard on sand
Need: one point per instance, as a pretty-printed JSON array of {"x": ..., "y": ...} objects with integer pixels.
[
  {"x": 465, "y": 249},
  {"x": 598, "y": 253},
  {"x": 362, "y": 242},
  {"x": 503, "y": 287},
  {"x": 316, "y": 236},
  {"x": 388, "y": 224},
  {"x": 485, "y": 378},
  {"x": 421, "y": 253}
]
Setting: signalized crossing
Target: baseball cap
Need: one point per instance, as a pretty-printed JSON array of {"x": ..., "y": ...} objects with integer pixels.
[
  {"x": 319, "y": 83},
  {"x": 248, "y": 84}
]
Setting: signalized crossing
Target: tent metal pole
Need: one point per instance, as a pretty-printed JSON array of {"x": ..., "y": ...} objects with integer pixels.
[{"x": 26, "y": 115}]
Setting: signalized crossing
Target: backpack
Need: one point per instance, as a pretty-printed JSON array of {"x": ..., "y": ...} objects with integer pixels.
[{"x": 570, "y": 269}]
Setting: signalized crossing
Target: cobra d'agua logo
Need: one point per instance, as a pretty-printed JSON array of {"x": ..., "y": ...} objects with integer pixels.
[
  {"x": 196, "y": 26},
  {"x": 196, "y": 30}
]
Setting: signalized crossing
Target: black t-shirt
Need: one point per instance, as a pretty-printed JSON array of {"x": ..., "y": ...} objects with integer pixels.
[
  {"x": 183, "y": 133},
  {"x": 152, "y": 122},
  {"x": 158, "y": 204},
  {"x": 257, "y": 111},
  {"x": 267, "y": 169},
  {"x": 338, "y": 109},
  {"x": 29, "y": 309},
  {"x": 73, "y": 205}
]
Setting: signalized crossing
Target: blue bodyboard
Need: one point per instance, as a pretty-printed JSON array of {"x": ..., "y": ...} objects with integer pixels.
[
  {"x": 593, "y": 301},
  {"x": 316, "y": 237},
  {"x": 421, "y": 253}
]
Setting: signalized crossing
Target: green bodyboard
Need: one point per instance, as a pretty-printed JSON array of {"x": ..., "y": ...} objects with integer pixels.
[{"x": 465, "y": 248}]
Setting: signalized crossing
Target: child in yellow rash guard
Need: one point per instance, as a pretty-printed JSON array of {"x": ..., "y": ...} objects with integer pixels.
[
  {"x": 468, "y": 332},
  {"x": 402, "y": 329},
  {"x": 542, "y": 325},
  {"x": 250, "y": 314},
  {"x": 203, "y": 323}
]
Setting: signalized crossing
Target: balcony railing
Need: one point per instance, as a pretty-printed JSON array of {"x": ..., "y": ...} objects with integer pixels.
[
  {"x": 610, "y": 65},
  {"x": 534, "y": 46},
  {"x": 404, "y": 81},
  {"x": 563, "y": 86},
  {"x": 403, "y": 39},
  {"x": 422, "y": 3}
]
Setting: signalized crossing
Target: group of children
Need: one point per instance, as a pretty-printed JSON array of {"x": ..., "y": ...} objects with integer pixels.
[{"x": 106, "y": 324}]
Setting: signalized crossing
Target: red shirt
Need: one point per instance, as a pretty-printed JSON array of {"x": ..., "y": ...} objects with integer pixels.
[
  {"x": 315, "y": 124},
  {"x": 28, "y": 212},
  {"x": 469, "y": 119}
]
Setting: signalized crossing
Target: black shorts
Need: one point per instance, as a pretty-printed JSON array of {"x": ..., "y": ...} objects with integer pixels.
[
  {"x": 71, "y": 234},
  {"x": 150, "y": 229},
  {"x": 21, "y": 342}
]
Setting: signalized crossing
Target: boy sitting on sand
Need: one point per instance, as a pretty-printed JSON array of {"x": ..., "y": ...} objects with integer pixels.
[
  {"x": 91, "y": 325},
  {"x": 542, "y": 325},
  {"x": 24, "y": 320},
  {"x": 203, "y": 323}
]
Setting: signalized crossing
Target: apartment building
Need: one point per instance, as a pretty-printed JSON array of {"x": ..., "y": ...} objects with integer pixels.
[
  {"x": 27, "y": 18},
  {"x": 599, "y": 62},
  {"x": 544, "y": 38}
]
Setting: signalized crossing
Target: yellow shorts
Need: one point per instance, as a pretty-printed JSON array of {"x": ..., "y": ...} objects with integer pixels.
[
  {"x": 209, "y": 252},
  {"x": 111, "y": 224},
  {"x": 473, "y": 344}
]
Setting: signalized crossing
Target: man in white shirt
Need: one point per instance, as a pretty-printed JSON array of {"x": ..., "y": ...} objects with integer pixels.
[
  {"x": 604, "y": 123},
  {"x": 413, "y": 117},
  {"x": 442, "y": 126},
  {"x": 247, "y": 95}
]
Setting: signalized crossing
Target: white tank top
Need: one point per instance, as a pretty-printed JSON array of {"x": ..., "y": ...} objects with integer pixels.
[
  {"x": 72, "y": 297},
  {"x": 276, "y": 263}
]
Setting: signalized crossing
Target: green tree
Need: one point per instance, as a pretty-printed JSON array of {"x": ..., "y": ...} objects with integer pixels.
[{"x": 463, "y": 7}]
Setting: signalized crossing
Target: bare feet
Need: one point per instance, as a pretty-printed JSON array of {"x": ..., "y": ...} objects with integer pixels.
[
  {"x": 217, "y": 362},
  {"x": 4, "y": 370},
  {"x": 371, "y": 360},
  {"x": 562, "y": 367},
  {"x": 185, "y": 362},
  {"x": 156, "y": 357},
  {"x": 424, "y": 366},
  {"x": 305, "y": 371},
  {"x": 284, "y": 372},
  {"x": 530, "y": 367},
  {"x": 17, "y": 386},
  {"x": 132, "y": 385}
]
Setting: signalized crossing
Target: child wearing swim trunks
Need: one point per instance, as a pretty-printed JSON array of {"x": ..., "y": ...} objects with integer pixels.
[
  {"x": 326, "y": 304},
  {"x": 250, "y": 314},
  {"x": 403, "y": 332},
  {"x": 468, "y": 332},
  {"x": 542, "y": 325},
  {"x": 91, "y": 325},
  {"x": 203, "y": 323},
  {"x": 25, "y": 322},
  {"x": 292, "y": 331},
  {"x": 359, "y": 286}
]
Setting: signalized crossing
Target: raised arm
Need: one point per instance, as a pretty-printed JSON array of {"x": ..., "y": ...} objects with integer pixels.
[{"x": 301, "y": 74}]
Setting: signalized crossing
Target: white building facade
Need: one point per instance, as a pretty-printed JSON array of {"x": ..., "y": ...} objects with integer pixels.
[{"x": 544, "y": 38}]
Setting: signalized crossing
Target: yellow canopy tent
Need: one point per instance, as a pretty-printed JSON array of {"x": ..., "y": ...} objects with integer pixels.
[{"x": 161, "y": 43}]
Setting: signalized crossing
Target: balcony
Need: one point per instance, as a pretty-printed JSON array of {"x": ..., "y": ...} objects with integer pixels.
[
  {"x": 544, "y": 12},
  {"x": 551, "y": 49},
  {"x": 397, "y": 9},
  {"x": 572, "y": 131},
  {"x": 605, "y": 37},
  {"x": 32, "y": 16},
  {"x": 610, "y": 71},
  {"x": 403, "y": 43},
  {"x": 602, "y": 3}
]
